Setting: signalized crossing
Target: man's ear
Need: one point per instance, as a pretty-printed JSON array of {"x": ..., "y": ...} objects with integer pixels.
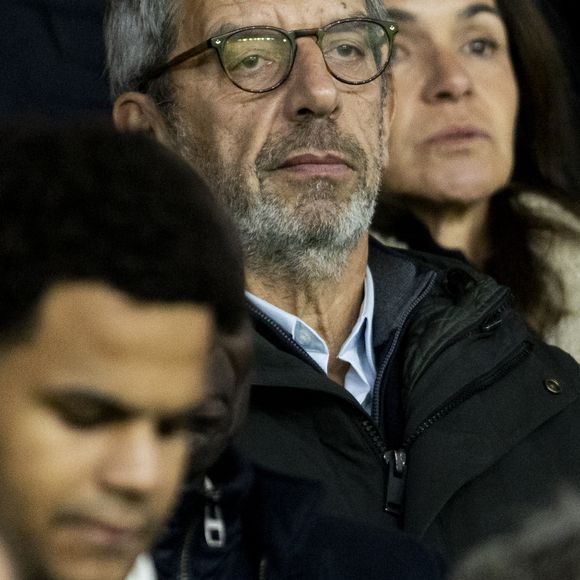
[{"x": 137, "y": 112}]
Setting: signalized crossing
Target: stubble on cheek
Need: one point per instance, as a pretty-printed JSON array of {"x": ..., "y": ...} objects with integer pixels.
[{"x": 221, "y": 161}]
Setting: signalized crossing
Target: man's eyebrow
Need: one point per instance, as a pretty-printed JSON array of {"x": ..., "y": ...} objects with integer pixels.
[
  {"x": 71, "y": 395},
  {"x": 472, "y": 10},
  {"x": 224, "y": 28},
  {"x": 357, "y": 14},
  {"x": 79, "y": 394},
  {"x": 230, "y": 26}
]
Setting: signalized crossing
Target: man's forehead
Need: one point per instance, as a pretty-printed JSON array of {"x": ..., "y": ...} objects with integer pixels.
[{"x": 204, "y": 18}]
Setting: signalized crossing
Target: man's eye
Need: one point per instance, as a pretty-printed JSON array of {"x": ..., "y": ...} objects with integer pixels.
[
  {"x": 251, "y": 62},
  {"x": 346, "y": 51},
  {"x": 83, "y": 417},
  {"x": 208, "y": 425},
  {"x": 172, "y": 427}
]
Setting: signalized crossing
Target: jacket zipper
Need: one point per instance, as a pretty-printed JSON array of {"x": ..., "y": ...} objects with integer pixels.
[
  {"x": 397, "y": 459},
  {"x": 375, "y": 414},
  {"x": 369, "y": 427},
  {"x": 477, "y": 386},
  {"x": 213, "y": 527},
  {"x": 263, "y": 569},
  {"x": 184, "y": 558},
  {"x": 393, "y": 460}
]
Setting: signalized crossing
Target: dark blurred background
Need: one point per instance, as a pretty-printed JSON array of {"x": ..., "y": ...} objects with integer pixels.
[
  {"x": 52, "y": 58},
  {"x": 559, "y": 14}
]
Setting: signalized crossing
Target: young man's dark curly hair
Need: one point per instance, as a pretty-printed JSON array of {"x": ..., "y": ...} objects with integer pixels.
[{"x": 85, "y": 203}]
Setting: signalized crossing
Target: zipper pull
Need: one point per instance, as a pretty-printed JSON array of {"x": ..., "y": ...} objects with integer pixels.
[
  {"x": 213, "y": 523},
  {"x": 263, "y": 570},
  {"x": 397, "y": 461}
]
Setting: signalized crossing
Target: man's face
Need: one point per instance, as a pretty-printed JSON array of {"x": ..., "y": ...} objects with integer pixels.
[
  {"x": 452, "y": 136},
  {"x": 94, "y": 434},
  {"x": 299, "y": 165}
]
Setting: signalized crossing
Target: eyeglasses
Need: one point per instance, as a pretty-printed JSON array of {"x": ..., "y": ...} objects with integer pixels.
[{"x": 258, "y": 59}]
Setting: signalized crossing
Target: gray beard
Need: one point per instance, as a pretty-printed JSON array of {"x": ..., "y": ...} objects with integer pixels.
[{"x": 290, "y": 240}]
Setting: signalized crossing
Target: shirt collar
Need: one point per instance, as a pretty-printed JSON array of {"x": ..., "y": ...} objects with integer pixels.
[
  {"x": 143, "y": 569},
  {"x": 359, "y": 340}
]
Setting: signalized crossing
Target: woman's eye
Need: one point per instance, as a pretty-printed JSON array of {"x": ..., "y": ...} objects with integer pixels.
[
  {"x": 483, "y": 46},
  {"x": 398, "y": 53}
]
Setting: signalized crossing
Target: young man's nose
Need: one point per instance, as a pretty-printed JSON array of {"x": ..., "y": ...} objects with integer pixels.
[{"x": 132, "y": 465}]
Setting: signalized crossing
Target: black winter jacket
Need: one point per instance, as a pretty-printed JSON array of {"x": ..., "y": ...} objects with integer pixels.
[
  {"x": 258, "y": 525},
  {"x": 475, "y": 422}
]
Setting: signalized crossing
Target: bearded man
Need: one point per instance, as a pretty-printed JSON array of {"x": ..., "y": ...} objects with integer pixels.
[{"x": 403, "y": 383}]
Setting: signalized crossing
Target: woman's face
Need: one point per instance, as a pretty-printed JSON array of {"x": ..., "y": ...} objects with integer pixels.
[{"x": 452, "y": 135}]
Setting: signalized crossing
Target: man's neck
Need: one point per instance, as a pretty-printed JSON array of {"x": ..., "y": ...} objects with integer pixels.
[{"x": 330, "y": 307}]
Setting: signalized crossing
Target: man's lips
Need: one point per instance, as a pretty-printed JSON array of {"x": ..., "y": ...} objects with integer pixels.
[
  {"x": 118, "y": 537},
  {"x": 316, "y": 165}
]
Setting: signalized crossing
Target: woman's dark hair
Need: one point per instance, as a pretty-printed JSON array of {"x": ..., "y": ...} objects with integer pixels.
[
  {"x": 85, "y": 203},
  {"x": 546, "y": 161}
]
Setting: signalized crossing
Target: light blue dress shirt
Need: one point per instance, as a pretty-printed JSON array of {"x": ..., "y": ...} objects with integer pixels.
[{"x": 357, "y": 350}]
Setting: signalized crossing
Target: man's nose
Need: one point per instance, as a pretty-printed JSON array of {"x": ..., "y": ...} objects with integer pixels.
[
  {"x": 447, "y": 77},
  {"x": 312, "y": 90},
  {"x": 132, "y": 464}
]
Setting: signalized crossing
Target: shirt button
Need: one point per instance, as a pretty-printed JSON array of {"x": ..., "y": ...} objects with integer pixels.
[{"x": 304, "y": 338}]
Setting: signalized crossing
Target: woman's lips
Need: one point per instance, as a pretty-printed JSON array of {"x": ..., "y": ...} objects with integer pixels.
[{"x": 456, "y": 135}]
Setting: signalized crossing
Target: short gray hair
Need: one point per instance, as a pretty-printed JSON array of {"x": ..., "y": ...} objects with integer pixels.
[{"x": 141, "y": 34}]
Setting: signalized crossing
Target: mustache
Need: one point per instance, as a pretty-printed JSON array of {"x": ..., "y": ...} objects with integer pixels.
[{"x": 320, "y": 135}]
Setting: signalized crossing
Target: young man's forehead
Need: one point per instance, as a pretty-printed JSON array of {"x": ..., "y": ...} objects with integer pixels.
[
  {"x": 112, "y": 320},
  {"x": 135, "y": 355}
]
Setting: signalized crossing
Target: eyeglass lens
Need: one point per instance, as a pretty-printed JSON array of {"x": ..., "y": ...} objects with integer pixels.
[{"x": 259, "y": 59}]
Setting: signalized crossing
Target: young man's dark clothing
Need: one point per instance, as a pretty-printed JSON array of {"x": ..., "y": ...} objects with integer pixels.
[{"x": 255, "y": 524}]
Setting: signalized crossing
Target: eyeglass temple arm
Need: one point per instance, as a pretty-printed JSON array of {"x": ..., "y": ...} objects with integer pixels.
[{"x": 157, "y": 71}]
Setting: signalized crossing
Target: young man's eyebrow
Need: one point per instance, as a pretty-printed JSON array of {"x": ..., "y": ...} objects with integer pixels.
[{"x": 65, "y": 395}]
